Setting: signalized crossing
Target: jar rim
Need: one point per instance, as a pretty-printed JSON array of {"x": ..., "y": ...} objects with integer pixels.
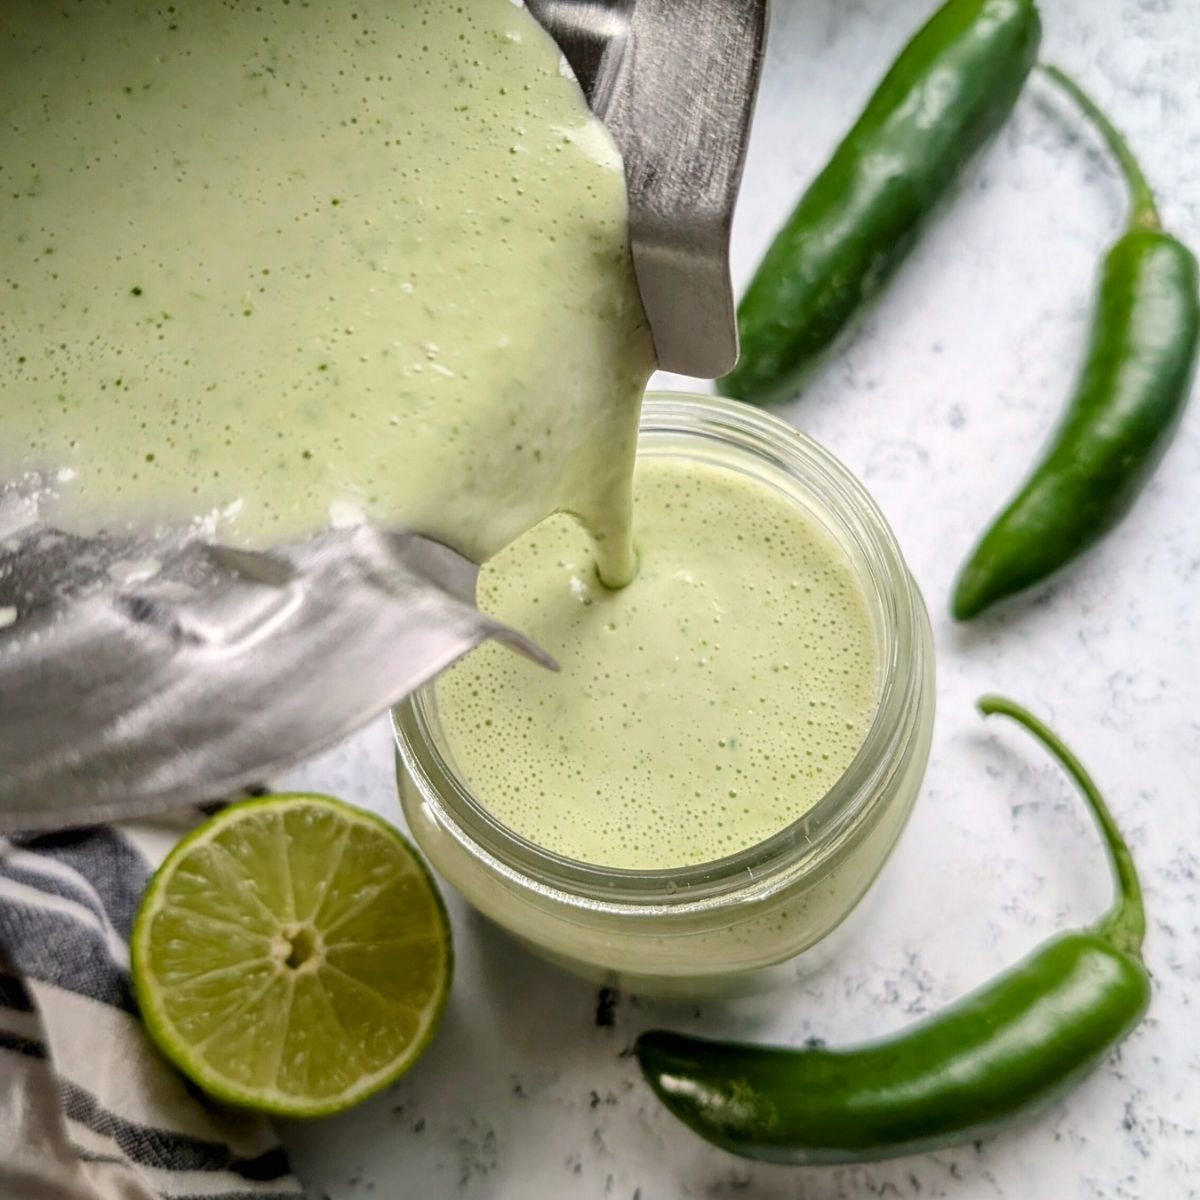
[{"x": 811, "y": 837}]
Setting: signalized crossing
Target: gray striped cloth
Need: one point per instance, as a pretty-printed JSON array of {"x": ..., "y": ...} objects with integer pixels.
[{"x": 88, "y": 1108}]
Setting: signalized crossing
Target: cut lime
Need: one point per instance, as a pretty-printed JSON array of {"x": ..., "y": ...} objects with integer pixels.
[{"x": 292, "y": 955}]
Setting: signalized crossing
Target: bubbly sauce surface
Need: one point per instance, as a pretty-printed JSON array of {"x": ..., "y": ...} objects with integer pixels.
[
  {"x": 305, "y": 260},
  {"x": 701, "y": 709}
]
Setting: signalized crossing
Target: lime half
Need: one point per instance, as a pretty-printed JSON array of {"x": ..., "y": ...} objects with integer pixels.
[{"x": 292, "y": 955}]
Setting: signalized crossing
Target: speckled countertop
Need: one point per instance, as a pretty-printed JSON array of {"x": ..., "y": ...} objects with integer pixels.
[{"x": 938, "y": 403}]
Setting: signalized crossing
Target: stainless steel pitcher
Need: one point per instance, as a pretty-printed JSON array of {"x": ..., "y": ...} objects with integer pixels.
[{"x": 137, "y": 677}]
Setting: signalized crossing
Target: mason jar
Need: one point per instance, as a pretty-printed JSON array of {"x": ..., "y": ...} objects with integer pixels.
[{"x": 738, "y": 923}]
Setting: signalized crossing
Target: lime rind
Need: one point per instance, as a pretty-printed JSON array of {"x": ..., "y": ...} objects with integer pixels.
[{"x": 302, "y": 1043}]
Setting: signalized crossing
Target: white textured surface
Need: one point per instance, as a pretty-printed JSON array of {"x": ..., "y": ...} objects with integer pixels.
[{"x": 939, "y": 403}]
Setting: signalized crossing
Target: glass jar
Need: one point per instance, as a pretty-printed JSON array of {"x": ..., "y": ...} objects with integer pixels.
[{"x": 724, "y": 926}]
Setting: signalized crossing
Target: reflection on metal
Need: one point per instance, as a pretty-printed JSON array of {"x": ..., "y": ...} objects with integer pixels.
[
  {"x": 136, "y": 677},
  {"x": 675, "y": 82}
]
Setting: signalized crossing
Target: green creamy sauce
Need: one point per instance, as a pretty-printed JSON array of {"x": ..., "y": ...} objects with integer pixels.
[
  {"x": 268, "y": 266},
  {"x": 289, "y": 262},
  {"x": 701, "y": 709}
]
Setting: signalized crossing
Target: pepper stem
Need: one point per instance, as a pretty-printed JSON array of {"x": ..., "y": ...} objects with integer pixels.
[
  {"x": 1144, "y": 212},
  {"x": 1125, "y": 924}
]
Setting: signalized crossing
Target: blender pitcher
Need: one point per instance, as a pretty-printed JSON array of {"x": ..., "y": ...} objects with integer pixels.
[{"x": 138, "y": 676}]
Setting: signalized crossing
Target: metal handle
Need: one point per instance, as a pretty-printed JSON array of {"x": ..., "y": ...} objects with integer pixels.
[{"x": 675, "y": 81}]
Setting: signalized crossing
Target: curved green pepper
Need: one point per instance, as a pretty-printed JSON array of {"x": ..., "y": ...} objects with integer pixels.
[
  {"x": 1126, "y": 408},
  {"x": 951, "y": 88},
  {"x": 1010, "y": 1048}
]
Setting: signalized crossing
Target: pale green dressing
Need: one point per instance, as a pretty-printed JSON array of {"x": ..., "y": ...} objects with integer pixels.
[
  {"x": 701, "y": 709},
  {"x": 302, "y": 260},
  {"x": 279, "y": 264}
]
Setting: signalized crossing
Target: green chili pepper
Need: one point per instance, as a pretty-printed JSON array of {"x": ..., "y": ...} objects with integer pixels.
[
  {"x": 1127, "y": 405},
  {"x": 951, "y": 88},
  {"x": 1010, "y": 1048}
]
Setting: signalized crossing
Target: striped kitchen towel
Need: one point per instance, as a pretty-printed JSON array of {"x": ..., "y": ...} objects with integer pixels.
[{"x": 88, "y": 1108}]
